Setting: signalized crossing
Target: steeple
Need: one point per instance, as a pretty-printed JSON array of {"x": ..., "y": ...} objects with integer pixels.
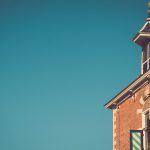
[{"x": 143, "y": 39}]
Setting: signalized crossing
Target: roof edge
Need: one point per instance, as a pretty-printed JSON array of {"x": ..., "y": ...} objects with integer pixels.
[{"x": 126, "y": 93}]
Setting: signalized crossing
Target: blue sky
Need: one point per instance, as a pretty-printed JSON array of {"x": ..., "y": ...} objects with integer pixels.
[{"x": 60, "y": 62}]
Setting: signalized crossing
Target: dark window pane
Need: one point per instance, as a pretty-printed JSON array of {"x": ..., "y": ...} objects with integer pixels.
[
  {"x": 144, "y": 67},
  {"x": 148, "y": 50},
  {"x": 148, "y": 138},
  {"x": 147, "y": 133},
  {"x": 144, "y": 54},
  {"x": 149, "y": 63},
  {"x": 147, "y": 119}
]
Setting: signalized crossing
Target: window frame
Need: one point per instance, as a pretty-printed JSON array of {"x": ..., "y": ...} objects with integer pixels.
[
  {"x": 145, "y": 138},
  {"x": 146, "y": 58}
]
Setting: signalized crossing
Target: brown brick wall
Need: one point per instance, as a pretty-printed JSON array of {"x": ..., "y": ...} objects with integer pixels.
[{"x": 128, "y": 119}]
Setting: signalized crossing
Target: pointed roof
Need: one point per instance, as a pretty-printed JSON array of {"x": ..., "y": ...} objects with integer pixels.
[
  {"x": 144, "y": 35},
  {"x": 146, "y": 27}
]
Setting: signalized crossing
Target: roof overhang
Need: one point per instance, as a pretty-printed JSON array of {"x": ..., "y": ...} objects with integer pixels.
[
  {"x": 144, "y": 35},
  {"x": 142, "y": 38},
  {"x": 141, "y": 81}
]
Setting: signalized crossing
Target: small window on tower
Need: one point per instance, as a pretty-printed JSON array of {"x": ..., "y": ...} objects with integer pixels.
[
  {"x": 148, "y": 51},
  {"x": 144, "y": 55},
  {"x": 146, "y": 58},
  {"x": 144, "y": 67}
]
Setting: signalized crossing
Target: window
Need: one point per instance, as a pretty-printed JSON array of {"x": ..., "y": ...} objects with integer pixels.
[
  {"x": 147, "y": 130},
  {"x": 146, "y": 58}
]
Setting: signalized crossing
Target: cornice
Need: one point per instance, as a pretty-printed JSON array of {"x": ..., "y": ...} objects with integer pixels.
[{"x": 137, "y": 84}]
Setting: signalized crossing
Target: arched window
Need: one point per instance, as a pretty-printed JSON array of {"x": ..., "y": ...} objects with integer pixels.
[
  {"x": 147, "y": 130},
  {"x": 146, "y": 111}
]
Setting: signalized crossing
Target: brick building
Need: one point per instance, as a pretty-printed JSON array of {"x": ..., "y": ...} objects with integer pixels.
[{"x": 131, "y": 107}]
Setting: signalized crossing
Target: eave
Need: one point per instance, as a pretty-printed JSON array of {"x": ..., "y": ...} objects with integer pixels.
[
  {"x": 141, "y": 38},
  {"x": 129, "y": 90},
  {"x": 144, "y": 35}
]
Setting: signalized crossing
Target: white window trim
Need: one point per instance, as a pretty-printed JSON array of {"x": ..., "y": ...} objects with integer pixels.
[
  {"x": 144, "y": 126},
  {"x": 147, "y": 59}
]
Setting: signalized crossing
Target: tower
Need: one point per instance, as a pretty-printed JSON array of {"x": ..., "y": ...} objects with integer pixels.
[
  {"x": 131, "y": 107},
  {"x": 143, "y": 39}
]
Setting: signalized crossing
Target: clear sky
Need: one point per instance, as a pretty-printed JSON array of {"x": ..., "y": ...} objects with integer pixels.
[{"x": 60, "y": 62}]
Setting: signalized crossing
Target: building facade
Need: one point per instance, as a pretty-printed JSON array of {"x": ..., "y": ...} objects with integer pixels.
[{"x": 131, "y": 107}]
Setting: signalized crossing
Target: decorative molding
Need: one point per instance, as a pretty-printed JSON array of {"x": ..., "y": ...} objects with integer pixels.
[
  {"x": 139, "y": 111},
  {"x": 146, "y": 96},
  {"x": 139, "y": 83},
  {"x": 142, "y": 101}
]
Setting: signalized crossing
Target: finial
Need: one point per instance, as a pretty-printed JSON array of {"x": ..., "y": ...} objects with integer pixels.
[{"x": 148, "y": 18}]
